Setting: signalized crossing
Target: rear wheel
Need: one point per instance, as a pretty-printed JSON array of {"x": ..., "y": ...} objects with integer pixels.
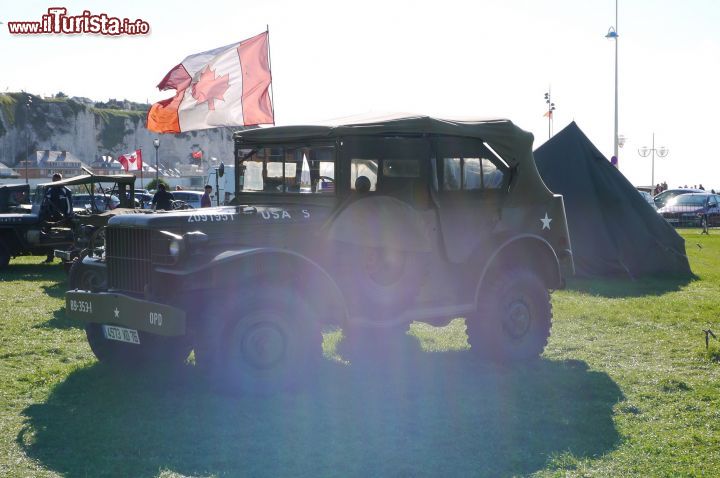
[
  {"x": 513, "y": 319},
  {"x": 4, "y": 255},
  {"x": 264, "y": 343}
]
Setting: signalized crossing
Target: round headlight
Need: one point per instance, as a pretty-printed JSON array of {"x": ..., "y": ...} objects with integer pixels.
[{"x": 174, "y": 248}]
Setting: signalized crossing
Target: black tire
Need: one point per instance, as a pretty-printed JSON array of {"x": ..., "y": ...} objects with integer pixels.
[
  {"x": 153, "y": 350},
  {"x": 513, "y": 320},
  {"x": 263, "y": 343},
  {"x": 85, "y": 278},
  {"x": 4, "y": 255},
  {"x": 67, "y": 266}
]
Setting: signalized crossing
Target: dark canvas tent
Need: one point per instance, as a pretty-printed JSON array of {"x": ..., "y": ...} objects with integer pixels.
[{"x": 613, "y": 230}]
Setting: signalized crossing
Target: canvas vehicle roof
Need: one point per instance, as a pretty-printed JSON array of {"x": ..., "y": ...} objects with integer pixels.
[
  {"x": 14, "y": 187},
  {"x": 513, "y": 144}
]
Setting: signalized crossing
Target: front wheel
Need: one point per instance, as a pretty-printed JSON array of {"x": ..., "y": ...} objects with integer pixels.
[
  {"x": 513, "y": 319},
  {"x": 85, "y": 278},
  {"x": 267, "y": 342}
]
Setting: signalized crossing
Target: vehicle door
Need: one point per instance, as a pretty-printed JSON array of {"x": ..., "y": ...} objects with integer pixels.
[
  {"x": 469, "y": 186},
  {"x": 713, "y": 210},
  {"x": 385, "y": 231}
]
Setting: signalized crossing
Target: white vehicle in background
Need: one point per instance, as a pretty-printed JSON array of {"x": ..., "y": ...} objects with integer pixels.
[
  {"x": 191, "y": 198},
  {"x": 223, "y": 186}
]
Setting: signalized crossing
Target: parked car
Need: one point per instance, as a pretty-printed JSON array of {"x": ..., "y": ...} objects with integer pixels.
[
  {"x": 143, "y": 200},
  {"x": 191, "y": 198},
  {"x": 102, "y": 202},
  {"x": 693, "y": 209},
  {"x": 662, "y": 198}
]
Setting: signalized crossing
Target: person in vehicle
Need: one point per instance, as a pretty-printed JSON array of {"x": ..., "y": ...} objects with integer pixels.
[
  {"x": 362, "y": 184},
  {"x": 162, "y": 200}
]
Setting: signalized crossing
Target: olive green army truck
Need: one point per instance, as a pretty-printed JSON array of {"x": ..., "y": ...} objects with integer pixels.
[{"x": 367, "y": 224}]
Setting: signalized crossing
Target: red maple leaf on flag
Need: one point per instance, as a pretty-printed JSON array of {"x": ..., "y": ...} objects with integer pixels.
[{"x": 210, "y": 88}]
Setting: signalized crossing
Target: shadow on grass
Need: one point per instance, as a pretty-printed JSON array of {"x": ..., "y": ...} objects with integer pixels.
[
  {"x": 432, "y": 414},
  {"x": 34, "y": 272},
  {"x": 622, "y": 287},
  {"x": 60, "y": 321},
  {"x": 57, "y": 290}
]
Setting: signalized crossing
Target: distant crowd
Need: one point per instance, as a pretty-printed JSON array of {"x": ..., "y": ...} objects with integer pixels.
[{"x": 660, "y": 187}]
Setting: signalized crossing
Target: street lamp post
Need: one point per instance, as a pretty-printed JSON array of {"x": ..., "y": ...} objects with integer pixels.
[
  {"x": 661, "y": 152},
  {"x": 612, "y": 34},
  {"x": 28, "y": 104},
  {"x": 549, "y": 114},
  {"x": 156, "y": 143}
]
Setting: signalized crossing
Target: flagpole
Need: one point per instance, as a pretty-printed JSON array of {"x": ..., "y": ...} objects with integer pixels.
[
  {"x": 272, "y": 92},
  {"x": 141, "y": 171}
]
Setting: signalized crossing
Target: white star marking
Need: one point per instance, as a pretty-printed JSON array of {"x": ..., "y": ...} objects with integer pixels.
[
  {"x": 545, "y": 221},
  {"x": 117, "y": 313}
]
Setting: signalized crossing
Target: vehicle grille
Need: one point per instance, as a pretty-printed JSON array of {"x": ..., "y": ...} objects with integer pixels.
[{"x": 128, "y": 253}]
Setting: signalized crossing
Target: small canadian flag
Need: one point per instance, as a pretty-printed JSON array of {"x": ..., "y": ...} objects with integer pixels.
[{"x": 131, "y": 161}]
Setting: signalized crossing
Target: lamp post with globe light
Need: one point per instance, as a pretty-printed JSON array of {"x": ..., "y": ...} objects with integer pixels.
[
  {"x": 549, "y": 114},
  {"x": 661, "y": 152},
  {"x": 156, "y": 143},
  {"x": 28, "y": 104},
  {"x": 612, "y": 34}
]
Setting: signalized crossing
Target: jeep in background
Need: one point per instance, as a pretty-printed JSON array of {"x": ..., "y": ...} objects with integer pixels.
[
  {"x": 15, "y": 198},
  {"x": 31, "y": 229},
  {"x": 367, "y": 225},
  {"x": 96, "y": 198}
]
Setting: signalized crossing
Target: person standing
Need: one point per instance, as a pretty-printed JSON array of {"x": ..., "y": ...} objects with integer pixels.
[
  {"x": 162, "y": 200},
  {"x": 205, "y": 200},
  {"x": 58, "y": 201}
]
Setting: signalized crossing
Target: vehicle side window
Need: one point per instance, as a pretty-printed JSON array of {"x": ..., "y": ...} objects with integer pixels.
[
  {"x": 290, "y": 170},
  {"x": 470, "y": 174},
  {"x": 401, "y": 168}
]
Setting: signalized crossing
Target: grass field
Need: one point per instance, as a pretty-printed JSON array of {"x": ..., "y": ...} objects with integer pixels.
[{"x": 625, "y": 388}]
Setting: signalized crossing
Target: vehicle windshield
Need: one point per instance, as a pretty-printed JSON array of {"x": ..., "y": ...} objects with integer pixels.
[
  {"x": 688, "y": 200},
  {"x": 295, "y": 170}
]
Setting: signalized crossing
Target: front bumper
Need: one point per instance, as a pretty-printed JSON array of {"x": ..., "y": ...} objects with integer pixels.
[
  {"x": 66, "y": 256},
  {"x": 125, "y": 311}
]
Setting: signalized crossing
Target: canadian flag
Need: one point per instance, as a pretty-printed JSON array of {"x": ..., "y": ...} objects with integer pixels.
[
  {"x": 131, "y": 161},
  {"x": 226, "y": 86}
]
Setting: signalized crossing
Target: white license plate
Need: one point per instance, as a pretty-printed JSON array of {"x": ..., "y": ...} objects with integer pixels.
[
  {"x": 121, "y": 334},
  {"x": 670, "y": 220}
]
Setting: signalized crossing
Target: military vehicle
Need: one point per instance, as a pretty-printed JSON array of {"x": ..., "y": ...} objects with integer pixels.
[
  {"x": 15, "y": 198},
  {"x": 30, "y": 228},
  {"x": 93, "y": 206},
  {"x": 367, "y": 224}
]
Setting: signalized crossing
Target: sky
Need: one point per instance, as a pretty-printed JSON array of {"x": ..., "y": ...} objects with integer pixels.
[{"x": 450, "y": 58}]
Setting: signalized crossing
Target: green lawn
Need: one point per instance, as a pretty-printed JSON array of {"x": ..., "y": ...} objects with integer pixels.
[{"x": 625, "y": 388}]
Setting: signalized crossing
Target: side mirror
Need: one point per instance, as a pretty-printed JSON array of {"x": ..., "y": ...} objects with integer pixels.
[{"x": 221, "y": 170}]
